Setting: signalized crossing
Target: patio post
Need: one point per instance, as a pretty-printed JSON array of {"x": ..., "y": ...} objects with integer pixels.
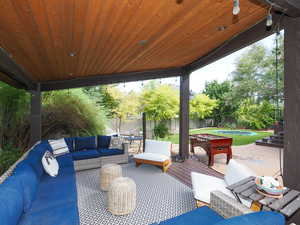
[
  {"x": 184, "y": 115},
  {"x": 144, "y": 130},
  {"x": 35, "y": 117},
  {"x": 291, "y": 165}
]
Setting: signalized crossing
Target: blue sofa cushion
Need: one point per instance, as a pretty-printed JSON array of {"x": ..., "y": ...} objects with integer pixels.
[
  {"x": 88, "y": 154},
  {"x": 109, "y": 152},
  {"x": 85, "y": 143},
  {"x": 103, "y": 141},
  {"x": 34, "y": 158},
  {"x": 65, "y": 214},
  {"x": 65, "y": 160},
  {"x": 11, "y": 202},
  {"x": 258, "y": 218},
  {"x": 200, "y": 216},
  {"x": 56, "y": 191},
  {"x": 70, "y": 143},
  {"x": 29, "y": 181}
]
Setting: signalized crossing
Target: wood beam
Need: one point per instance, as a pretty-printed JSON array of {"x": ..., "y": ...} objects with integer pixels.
[
  {"x": 290, "y": 8},
  {"x": 184, "y": 115},
  {"x": 15, "y": 72},
  {"x": 110, "y": 78},
  {"x": 36, "y": 116},
  {"x": 244, "y": 39},
  {"x": 291, "y": 165}
]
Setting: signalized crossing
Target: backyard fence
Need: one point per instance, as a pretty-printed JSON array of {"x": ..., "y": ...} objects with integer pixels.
[{"x": 135, "y": 126}]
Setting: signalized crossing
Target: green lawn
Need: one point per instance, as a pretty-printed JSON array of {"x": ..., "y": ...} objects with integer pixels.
[{"x": 237, "y": 139}]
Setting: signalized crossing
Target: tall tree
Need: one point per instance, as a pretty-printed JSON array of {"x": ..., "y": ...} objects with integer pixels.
[
  {"x": 201, "y": 106},
  {"x": 160, "y": 102},
  {"x": 255, "y": 74},
  {"x": 226, "y": 106}
]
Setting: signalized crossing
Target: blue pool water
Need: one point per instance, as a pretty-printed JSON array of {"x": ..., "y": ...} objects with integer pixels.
[{"x": 236, "y": 132}]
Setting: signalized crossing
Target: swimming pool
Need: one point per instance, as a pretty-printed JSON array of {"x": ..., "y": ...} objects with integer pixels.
[{"x": 236, "y": 132}]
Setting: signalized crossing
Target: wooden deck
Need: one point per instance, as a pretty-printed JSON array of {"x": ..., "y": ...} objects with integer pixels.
[{"x": 182, "y": 171}]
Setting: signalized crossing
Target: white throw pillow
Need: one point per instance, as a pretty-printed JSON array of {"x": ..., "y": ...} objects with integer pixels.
[
  {"x": 59, "y": 147},
  {"x": 116, "y": 143},
  {"x": 50, "y": 164}
]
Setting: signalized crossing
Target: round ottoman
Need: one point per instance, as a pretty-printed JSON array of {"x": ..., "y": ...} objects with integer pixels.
[
  {"x": 108, "y": 173},
  {"x": 122, "y": 196}
]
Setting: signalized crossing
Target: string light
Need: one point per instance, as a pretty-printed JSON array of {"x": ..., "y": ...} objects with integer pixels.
[
  {"x": 269, "y": 22},
  {"x": 236, "y": 7}
]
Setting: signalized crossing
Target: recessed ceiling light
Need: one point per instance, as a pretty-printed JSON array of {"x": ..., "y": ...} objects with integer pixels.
[
  {"x": 72, "y": 54},
  {"x": 221, "y": 28},
  {"x": 143, "y": 42},
  {"x": 71, "y": 74}
]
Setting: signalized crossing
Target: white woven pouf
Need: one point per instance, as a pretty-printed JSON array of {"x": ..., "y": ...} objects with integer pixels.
[
  {"x": 122, "y": 196},
  {"x": 108, "y": 173}
]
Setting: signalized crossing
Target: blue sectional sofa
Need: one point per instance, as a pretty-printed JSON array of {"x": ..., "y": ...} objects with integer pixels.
[
  {"x": 29, "y": 196},
  {"x": 207, "y": 216}
]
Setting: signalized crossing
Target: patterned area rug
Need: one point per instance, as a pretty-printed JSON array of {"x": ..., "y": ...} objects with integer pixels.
[{"x": 159, "y": 197}]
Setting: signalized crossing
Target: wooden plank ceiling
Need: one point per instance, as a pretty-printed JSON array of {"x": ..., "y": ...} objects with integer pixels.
[{"x": 64, "y": 39}]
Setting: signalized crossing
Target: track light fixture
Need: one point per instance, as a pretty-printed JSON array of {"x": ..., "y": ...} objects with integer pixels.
[{"x": 236, "y": 7}]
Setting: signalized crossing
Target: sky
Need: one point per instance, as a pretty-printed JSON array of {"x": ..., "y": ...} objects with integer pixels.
[{"x": 219, "y": 70}]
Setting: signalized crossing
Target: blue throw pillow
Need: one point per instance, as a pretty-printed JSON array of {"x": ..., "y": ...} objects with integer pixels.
[
  {"x": 29, "y": 181},
  {"x": 103, "y": 141},
  {"x": 11, "y": 202},
  {"x": 84, "y": 143},
  {"x": 70, "y": 142}
]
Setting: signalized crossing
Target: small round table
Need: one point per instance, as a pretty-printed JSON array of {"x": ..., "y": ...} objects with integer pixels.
[
  {"x": 108, "y": 173},
  {"x": 122, "y": 196}
]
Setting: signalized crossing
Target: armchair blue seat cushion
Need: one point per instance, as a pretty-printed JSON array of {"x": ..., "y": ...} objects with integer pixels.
[
  {"x": 110, "y": 152},
  {"x": 103, "y": 141},
  {"x": 88, "y": 154},
  {"x": 258, "y": 218},
  {"x": 85, "y": 143},
  {"x": 200, "y": 216},
  {"x": 29, "y": 181},
  {"x": 11, "y": 202}
]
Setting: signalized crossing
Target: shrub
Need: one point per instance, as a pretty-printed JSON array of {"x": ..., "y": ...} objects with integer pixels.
[
  {"x": 71, "y": 113},
  {"x": 161, "y": 130},
  {"x": 256, "y": 116},
  {"x": 8, "y": 156}
]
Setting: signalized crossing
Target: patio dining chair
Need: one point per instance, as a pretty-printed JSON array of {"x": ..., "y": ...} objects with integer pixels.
[
  {"x": 156, "y": 153},
  {"x": 203, "y": 184}
]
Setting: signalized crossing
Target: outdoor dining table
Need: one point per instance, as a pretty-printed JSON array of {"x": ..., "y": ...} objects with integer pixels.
[{"x": 288, "y": 204}]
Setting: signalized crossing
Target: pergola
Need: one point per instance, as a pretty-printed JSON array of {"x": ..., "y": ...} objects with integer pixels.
[{"x": 61, "y": 44}]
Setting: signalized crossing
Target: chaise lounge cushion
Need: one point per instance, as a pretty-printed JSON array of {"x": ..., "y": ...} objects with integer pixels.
[
  {"x": 110, "y": 152},
  {"x": 11, "y": 202},
  {"x": 85, "y": 143},
  {"x": 152, "y": 157},
  {"x": 88, "y": 154},
  {"x": 199, "y": 216}
]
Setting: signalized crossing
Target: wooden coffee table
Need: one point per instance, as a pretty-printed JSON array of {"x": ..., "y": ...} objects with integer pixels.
[{"x": 288, "y": 205}]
